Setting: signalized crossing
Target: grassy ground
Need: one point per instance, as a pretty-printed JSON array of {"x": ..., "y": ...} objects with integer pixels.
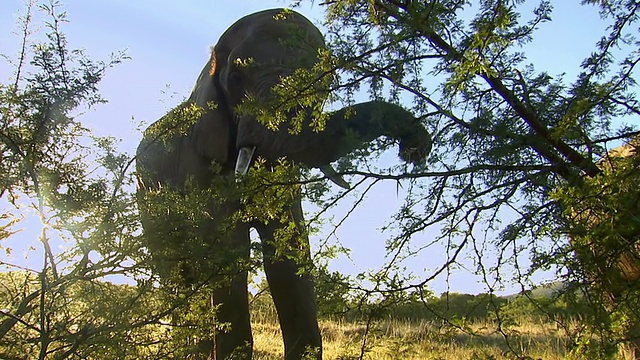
[{"x": 405, "y": 340}]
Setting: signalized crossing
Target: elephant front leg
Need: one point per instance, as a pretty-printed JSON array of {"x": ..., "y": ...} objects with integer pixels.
[
  {"x": 235, "y": 340},
  {"x": 293, "y": 295},
  {"x": 294, "y": 299}
]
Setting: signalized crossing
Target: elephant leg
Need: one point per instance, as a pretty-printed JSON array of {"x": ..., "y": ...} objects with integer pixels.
[
  {"x": 236, "y": 342},
  {"x": 293, "y": 293}
]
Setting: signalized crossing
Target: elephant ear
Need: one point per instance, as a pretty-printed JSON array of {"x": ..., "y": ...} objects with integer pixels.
[{"x": 210, "y": 133}]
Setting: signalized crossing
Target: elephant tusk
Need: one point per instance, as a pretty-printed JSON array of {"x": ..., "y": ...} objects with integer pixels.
[
  {"x": 334, "y": 177},
  {"x": 245, "y": 154}
]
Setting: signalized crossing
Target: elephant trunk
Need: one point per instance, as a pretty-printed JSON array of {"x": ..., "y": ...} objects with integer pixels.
[
  {"x": 346, "y": 130},
  {"x": 361, "y": 123}
]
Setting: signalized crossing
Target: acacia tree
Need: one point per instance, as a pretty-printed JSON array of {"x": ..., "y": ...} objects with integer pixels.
[
  {"x": 512, "y": 144},
  {"x": 54, "y": 173},
  {"x": 601, "y": 215}
]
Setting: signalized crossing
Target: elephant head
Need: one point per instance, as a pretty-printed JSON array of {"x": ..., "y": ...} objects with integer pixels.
[{"x": 249, "y": 60}]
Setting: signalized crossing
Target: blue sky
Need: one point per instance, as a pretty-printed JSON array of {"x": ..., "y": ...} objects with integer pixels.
[{"x": 169, "y": 41}]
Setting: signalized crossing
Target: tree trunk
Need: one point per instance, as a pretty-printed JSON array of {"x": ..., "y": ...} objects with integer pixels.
[{"x": 604, "y": 229}]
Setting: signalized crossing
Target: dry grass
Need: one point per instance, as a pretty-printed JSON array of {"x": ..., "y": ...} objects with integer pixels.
[{"x": 422, "y": 340}]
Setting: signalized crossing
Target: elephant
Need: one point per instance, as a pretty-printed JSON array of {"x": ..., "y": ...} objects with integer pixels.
[{"x": 195, "y": 148}]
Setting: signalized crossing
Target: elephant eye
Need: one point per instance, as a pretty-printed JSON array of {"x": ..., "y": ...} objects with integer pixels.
[
  {"x": 235, "y": 78},
  {"x": 234, "y": 83}
]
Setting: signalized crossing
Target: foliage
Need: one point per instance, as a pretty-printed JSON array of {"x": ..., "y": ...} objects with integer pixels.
[
  {"x": 332, "y": 293},
  {"x": 513, "y": 175},
  {"x": 75, "y": 188},
  {"x": 563, "y": 304},
  {"x": 507, "y": 135},
  {"x": 448, "y": 307},
  {"x": 86, "y": 318},
  {"x": 602, "y": 222}
]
